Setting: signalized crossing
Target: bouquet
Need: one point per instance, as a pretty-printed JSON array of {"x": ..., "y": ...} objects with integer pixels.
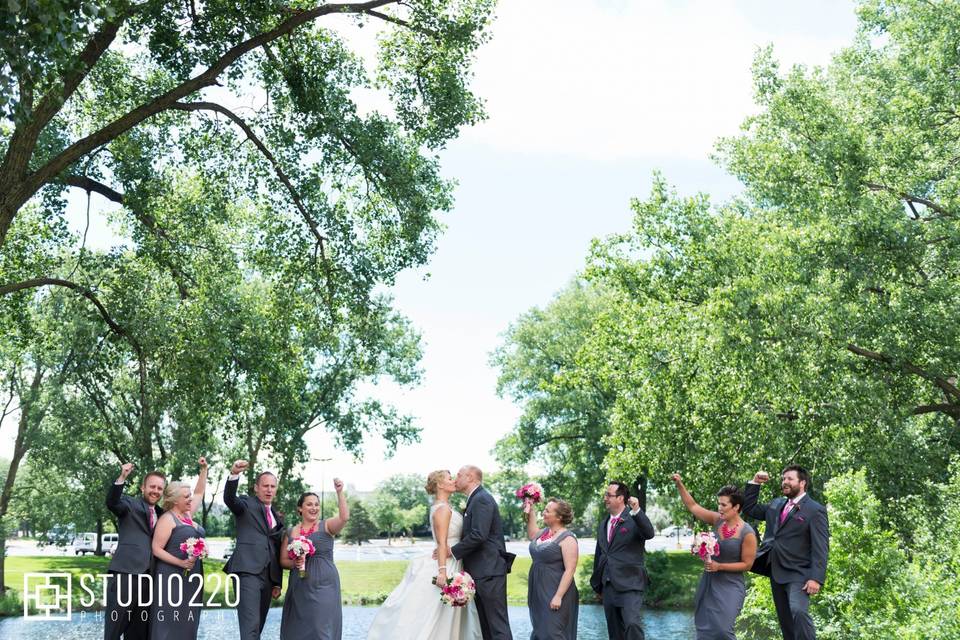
[
  {"x": 301, "y": 548},
  {"x": 530, "y": 493},
  {"x": 705, "y": 545},
  {"x": 194, "y": 547},
  {"x": 458, "y": 591}
]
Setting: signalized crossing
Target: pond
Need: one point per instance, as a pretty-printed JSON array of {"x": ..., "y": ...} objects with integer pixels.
[{"x": 222, "y": 625}]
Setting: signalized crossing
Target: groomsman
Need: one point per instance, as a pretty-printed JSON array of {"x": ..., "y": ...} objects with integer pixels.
[
  {"x": 619, "y": 571},
  {"x": 794, "y": 550},
  {"x": 132, "y": 562},
  {"x": 255, "y": 559}
]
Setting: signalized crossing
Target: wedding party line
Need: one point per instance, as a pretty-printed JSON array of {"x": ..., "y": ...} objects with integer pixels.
[{"x": 459, "y": 591}]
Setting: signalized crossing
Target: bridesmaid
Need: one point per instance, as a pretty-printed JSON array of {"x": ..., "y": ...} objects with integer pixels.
[
  {"x": 174, "y": 574},
  {"x": 551, "y": 591},
  {"x": 721, "y": 591},
  {"x": 312, "y": 607}
]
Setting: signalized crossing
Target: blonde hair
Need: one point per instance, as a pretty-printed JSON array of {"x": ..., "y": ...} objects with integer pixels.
[
  {"x": 171, "y": 493},
  {"x": 434, "y": 480}
]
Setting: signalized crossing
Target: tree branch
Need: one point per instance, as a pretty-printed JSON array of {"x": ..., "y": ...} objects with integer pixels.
[
  {"x": 911, "y": 199},
  {"x": 946, "y": 408},
  {"x": 942, "y": 383}
]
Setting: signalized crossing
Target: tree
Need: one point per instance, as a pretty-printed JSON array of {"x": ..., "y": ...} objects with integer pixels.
[
  {"x": 565, "y": 408},
  {"x": 360, "y": 527},
  {"x": 386, "y": 513}
]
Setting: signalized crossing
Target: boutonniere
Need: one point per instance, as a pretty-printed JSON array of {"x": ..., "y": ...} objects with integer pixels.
[
  {"x": 623, "y": 529},
  {"x": 800, "y": 518}
]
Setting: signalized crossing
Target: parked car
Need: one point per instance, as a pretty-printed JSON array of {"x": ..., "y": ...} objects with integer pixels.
[
  {"x": 86, "y": 543},
  {"x": 672, "y": 530}
]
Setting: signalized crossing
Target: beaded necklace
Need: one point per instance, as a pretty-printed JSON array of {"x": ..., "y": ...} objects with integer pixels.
[{"x": 727, "y": 532}]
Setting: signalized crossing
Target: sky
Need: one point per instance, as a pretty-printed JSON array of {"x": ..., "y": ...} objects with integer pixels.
[{"x": 585, "y": 100}]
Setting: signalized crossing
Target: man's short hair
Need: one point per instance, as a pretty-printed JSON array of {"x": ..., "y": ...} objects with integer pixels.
[
  {"x": 264, "y": 473},
  {"x": 802, "y": 474},
  {"x": 158, "y": 474},
  {"x": 623, "y": 489}
]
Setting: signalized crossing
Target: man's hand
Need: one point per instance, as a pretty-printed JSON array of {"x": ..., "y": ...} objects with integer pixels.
[
  {"x": 760, "y": 477},
  {"x": 125, "y": 470},
  {"x": 812, "y": 587},
  {"x": 239, "y": 467},
  {"x": 275, "y": 593},
  {"x": 634, "y": 503}
]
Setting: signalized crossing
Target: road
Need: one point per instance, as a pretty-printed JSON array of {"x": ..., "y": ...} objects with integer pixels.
[{"x": 373, "y": 551}]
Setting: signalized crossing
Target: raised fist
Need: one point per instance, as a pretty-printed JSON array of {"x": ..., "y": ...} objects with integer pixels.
[
  {"x": 337, "y": 485},
  {"x": 202, "y": 462},
  {"x": 760, "y": 477},
  {"x": 634, "y": 503},
  {"x": 239, "y": 467},
  {"x": 125, "y": 470},
  {"x": 677, "y": 479}
]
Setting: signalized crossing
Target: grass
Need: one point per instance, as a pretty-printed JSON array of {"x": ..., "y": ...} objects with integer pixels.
[{"x": 674, "y": 578}]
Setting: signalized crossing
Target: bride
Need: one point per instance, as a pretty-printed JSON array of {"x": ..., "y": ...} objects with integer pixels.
[{"x": 414, "y": 610}]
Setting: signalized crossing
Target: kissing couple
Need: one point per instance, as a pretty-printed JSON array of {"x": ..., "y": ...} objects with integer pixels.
[{"x": 471, "y": 542}]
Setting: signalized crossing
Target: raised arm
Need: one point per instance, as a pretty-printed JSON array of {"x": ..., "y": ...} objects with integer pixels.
[
  {"x": 644, "y": 526},
  {"x": 161, "y": 535},
  {"x": 480, "y": 523},
  {"x": 704, "y": 515},
  {"x": 335, "y": 525},
  {"x": 200, "y": 488},
  {"x": 751, "y": 495},
  {"x": 441, "y": 525},
  {"x": 115, "y": 492},
  {"x": 235, "y": 504},
  {"x": 532, "y": 528},
  {"x": 570, "y": 551}
]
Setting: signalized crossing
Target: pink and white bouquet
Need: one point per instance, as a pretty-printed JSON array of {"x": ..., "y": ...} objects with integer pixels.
[
  {"x": 195, "y": 548},
  {"x": 459, "y": 590},
  {"x": 530, "y": 493},
  {"x": 301, "y": 548},
  {"x": 705, "y": 545}
]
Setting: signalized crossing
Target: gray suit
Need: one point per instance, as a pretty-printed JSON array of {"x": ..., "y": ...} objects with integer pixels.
[
  {"x": 255, "y": 559},
  {"x": 132, "y": 558},
  {"x": 620, "y": 574},
  {"x": 485, "y": 557},
  {"x": 790, "y": 554}
]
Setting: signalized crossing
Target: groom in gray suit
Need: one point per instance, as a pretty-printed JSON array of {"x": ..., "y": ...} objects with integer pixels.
[
  {"x": 794, "y": 550},
  {"x": 133, "y": 557},
  {"x": 619, "y": 571},
  {"x": 484, "y": 554},
  {"x": 256, "y": 557}
]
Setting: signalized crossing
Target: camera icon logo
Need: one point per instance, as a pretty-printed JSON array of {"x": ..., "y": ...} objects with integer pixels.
[{"x": 49, "y": 594}]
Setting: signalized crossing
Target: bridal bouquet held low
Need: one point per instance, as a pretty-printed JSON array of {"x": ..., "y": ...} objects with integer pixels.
[
  {"x": 531, "y": 493},
  {"x": 301, "y": 548},
  {"x": 458, "y": 591},
  {"x": 194, "y": 547}
]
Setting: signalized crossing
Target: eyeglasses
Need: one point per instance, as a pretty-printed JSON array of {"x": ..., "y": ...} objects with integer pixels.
[{"x": 609, "y": 495}]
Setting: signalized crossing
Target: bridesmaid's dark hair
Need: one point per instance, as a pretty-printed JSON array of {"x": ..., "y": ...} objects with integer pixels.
[
  {"x": 304, "y": 496},
  {"x": 734, "y": 494}
]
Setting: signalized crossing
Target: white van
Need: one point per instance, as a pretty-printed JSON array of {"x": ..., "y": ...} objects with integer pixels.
[{"x": 87, "y": 543}]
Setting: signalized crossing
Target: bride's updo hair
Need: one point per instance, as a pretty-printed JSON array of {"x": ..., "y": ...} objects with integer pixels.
[{"x": 434, "y": 479}]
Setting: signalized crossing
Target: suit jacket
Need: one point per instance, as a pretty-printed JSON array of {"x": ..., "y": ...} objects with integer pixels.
[
  {"x": 482, "y": 548},
  {"x": 258, "y": 545},
  {"x": 134, "y": 535},
  {"x": 795, "y": 551},
  {"x": 619, "y": 562}
]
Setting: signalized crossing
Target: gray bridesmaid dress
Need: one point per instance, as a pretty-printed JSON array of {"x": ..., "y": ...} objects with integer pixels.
[
  {"x": 312, "y": 608},
  {"x": 720, "y": 595},
  {"x": 542, "y": 583},
  {"x": 168, "y": 622}
]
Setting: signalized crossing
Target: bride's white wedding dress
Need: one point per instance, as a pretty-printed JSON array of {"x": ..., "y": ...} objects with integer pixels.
[{"x": 413, "y": 610}]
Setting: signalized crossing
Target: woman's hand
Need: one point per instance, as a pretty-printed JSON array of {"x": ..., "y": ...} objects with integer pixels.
[
  {"x": 338, "y": 485},
  {"x": 301, "y": 562},
  {"x": 710, "y": 565},
  {"x": 556, "y": 602},
  {"x": 677, "y": 480},
  {"x": 442, "y": 577},
  {"x": 188, "y": 563}
]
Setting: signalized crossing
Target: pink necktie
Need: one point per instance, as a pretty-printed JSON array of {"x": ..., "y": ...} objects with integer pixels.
[
  {"x": 153, "y": 517},
  {"x": 786, "y": 510},
  {"x": 613, "y": 527},
  {"x": 269, "y": 517}
]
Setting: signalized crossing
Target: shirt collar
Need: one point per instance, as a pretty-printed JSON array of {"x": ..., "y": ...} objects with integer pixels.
[{"x": 797, "y": 499}]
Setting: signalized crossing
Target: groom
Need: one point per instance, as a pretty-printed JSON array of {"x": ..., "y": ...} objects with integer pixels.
[{"x": 484, "y": 554}]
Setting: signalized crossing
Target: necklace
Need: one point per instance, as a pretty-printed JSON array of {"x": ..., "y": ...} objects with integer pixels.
[
  {"x": 306, "y": 533},
  {"x": 546, "y": 535},
  {"x": 727, "y": 532}
]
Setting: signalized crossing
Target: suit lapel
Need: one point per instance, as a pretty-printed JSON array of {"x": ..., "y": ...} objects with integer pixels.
[
  {"x": 466, "y": 507},
  {"x": 794, "y": 512},
  {"x": 261, "y": 516}
]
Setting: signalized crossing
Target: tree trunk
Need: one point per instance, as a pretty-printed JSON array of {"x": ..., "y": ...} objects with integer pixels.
[
  {"x": 98, "y": 550},
  {"x": 641, "y": 486}
]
